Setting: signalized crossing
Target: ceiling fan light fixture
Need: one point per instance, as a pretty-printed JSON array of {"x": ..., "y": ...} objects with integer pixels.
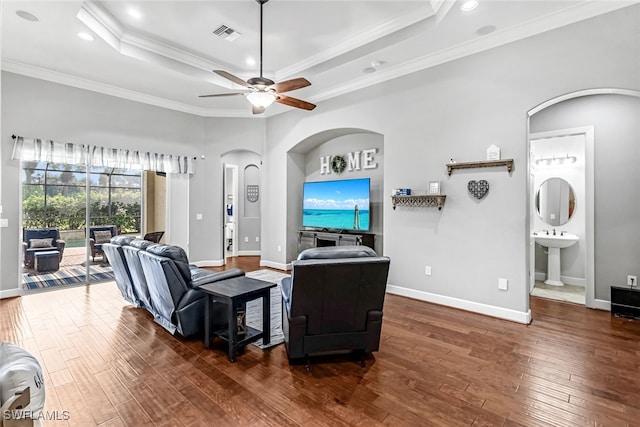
[{"x": 261, "y": 99}]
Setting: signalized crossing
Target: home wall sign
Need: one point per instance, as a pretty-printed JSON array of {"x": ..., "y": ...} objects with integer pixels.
[
  {"x": 478, "y": 189},
  {"x": 354, "y": 161}
]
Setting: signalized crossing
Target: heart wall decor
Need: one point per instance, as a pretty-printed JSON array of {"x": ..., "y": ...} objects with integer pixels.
[{"x": 478, "y": 188}]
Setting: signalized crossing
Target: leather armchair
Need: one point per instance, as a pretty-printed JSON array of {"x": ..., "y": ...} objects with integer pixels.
[
  {"x": 177, "y": 303},
  {"x": 333, "y": 301},
  {"x": 95, "y": 244},
  {"x": 29, "y": 250},
  {"x": 115, "y": 255}
]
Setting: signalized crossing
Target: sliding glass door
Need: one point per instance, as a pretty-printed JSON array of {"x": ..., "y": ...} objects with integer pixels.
[{"x": 58, "y": 201}]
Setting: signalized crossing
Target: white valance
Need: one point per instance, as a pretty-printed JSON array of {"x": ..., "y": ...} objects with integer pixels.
[{"x": 37, "y": 150}]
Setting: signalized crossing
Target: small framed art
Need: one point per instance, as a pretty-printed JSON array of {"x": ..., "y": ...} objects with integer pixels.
[{"x": 434, "y": 187}]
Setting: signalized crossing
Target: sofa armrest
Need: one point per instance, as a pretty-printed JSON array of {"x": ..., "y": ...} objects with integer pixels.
[
  {"x": 61, "y": 245},
  {"x": 201, "y": 276}
]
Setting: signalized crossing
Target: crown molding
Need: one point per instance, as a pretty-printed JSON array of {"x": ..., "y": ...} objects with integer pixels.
[
  {"x": 189, "y": 64},
  {"x": 106, "y": 89},
  {"x": 365, "y": 37},
  {"x": 570, "y": 15}
]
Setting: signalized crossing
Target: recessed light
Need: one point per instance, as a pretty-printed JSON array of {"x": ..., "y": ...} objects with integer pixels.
[
  {"x": 487, "y": 29},
  {"x": 27, "y": 16},
  {"x": 134, "y": 13},
  {"x": 85, "y": 36},
  {"x": 251, "y": 62},
  {"x": 469, "y": 5}
]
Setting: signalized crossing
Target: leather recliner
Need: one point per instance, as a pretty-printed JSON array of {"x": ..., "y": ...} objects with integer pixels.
[
  {"x": 115, "y": 255},
  {"x": 333, "y": 301},
  {"x": 131, "y": 253},
  {"x": 177, "y": 303}
]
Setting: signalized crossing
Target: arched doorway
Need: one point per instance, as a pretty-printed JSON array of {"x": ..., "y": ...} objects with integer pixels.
[{"x": 611, "y": 216}]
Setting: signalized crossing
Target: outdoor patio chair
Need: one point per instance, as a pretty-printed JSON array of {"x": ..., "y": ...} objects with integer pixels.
[
  {"x": 40, "y": 240},
  {"x": 154, "y": 237},
  {"x": 97, "y": 236}
]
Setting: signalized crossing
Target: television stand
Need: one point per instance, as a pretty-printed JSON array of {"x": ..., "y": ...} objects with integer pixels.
[{"x": 317, "y": 239}]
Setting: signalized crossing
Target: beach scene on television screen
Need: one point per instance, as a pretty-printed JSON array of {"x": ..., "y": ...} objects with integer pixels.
[{"x": 337, "y": 204}]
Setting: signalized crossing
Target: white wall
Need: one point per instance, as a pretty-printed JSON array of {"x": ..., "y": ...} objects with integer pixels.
[{"x": 457, "y": 110}]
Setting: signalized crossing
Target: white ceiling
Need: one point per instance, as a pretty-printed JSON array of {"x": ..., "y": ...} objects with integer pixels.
[{"x": 165, "y": 57}]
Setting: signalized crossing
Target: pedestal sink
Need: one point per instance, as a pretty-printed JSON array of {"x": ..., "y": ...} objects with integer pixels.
[{"x": 554, "y": 244}]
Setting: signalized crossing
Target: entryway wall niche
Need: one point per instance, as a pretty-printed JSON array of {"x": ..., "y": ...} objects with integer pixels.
[
  {"x": 303, "y": 164},
  {"x": 245, "y": 211}
]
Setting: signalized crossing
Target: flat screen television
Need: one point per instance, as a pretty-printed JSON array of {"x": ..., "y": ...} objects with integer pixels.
[{"x": 337, "y": 205}]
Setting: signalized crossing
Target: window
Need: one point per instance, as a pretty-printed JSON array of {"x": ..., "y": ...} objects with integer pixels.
[{"x": 54, "y": 195}]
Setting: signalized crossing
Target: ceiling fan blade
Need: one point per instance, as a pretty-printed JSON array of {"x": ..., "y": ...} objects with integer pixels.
[
  {"x": 292, "y": 84},
  {"x": 236, "y": 80},
  {"x": 220, "y": 94},
  {"x": 294, "y": 102},
  {"x": 257, "y": 110}
]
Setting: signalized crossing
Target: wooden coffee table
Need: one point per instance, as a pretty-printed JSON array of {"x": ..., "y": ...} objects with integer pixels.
[{"x": 235, "y": 293}]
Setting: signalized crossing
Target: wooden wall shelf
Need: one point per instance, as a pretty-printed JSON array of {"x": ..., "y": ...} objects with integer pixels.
[
  {"x": 428, "y": 201},
  {"x": 481, "y": 164}
]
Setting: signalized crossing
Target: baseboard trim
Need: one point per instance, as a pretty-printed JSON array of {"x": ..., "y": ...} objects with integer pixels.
[
  {"x": 10, "y": 293},
  {"x": 249, "y": 253},
  {"x": 476, "y": 307},
  {"x": 276, "y": 265},
  {"x": 567, "y": 280},
  {"x": 601, "y": 304},
  {"x": 209, "y": 263}
]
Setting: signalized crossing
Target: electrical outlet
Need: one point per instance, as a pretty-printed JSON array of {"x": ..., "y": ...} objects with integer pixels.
[
  {"x": 279, "y": 248},
  {"x": 503, "y": 284},
  {"x": 257, "y": 239},
  {"x": 427, "y": 270},
  {"x": 4, "y": 222},
  {"x": 246, "y": 239},
  {"x": 632, "y": 281}
]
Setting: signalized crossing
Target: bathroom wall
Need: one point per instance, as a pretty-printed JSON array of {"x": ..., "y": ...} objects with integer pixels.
[
  {"x": 616, "y": 175},
  {"x": 573, "y": 258}
]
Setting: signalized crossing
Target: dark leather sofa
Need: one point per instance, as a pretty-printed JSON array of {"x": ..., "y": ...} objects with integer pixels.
[
  {"x": 167, "y": 286},
  {"x": 333, "y": 301}
]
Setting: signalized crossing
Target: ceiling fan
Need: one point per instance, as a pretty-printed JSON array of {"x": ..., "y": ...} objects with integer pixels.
[{"x": 264, "y": 91}]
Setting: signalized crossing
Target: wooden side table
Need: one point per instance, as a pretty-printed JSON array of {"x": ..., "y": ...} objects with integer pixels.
[{"x": 235, "y": 293}]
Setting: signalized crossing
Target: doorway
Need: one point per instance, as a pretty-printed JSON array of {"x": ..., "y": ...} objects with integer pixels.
[
  {"x": 561, "y": 208},
  {"x": 613, "y": 172}
]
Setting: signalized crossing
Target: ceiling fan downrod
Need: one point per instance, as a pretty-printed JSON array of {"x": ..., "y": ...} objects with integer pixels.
[{"x": 260, "y": 81}]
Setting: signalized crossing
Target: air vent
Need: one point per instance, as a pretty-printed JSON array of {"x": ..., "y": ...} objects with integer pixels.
[{"x": 229, "y": 34}]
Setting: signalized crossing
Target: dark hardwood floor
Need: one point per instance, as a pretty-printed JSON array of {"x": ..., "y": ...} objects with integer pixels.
[{"x": 109, "y": 364}]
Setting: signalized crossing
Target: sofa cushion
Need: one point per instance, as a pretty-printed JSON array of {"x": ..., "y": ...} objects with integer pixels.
[
  {"x": 337, "y": 252},
  {"x": 121, "y": 240},
  {"x": 40, "y": 243},
  {"x": 102, "y": 236},
  {"x": 19, "y": 369},
  {"x": 177, "y": 254},
  {"x": 141, "y": 244}
]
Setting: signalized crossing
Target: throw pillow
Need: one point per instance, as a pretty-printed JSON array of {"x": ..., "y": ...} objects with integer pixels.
[
  {"x": 102, "y": 236},
  {"x": 19, "y": 370},
  {"x": 40, "y": 243}
]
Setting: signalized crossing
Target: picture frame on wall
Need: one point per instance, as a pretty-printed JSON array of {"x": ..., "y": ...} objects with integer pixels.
[{"x": 434, "y": 187}]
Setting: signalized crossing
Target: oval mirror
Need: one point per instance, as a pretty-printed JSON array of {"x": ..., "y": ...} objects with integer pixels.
[{"x": 555, "y": 201}]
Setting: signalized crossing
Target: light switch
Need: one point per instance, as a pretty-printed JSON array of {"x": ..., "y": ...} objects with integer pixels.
[
  {"x": 4, "y": 222},
  {"x": 199, "y": 217}
]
